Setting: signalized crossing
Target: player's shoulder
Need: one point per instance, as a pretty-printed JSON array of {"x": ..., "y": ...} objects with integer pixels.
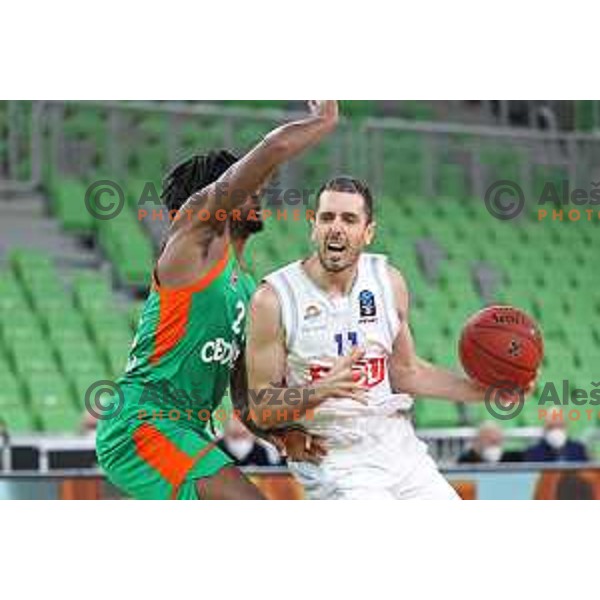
[
  {"x": 284, "y": 271},
  {"x": 265, "y": 298},
  {"x": 383, "y": 260},
  {"x": 395, "y": 278},
  {"x": 265, "y": 309},
  {"x": 373, "y": 257}
]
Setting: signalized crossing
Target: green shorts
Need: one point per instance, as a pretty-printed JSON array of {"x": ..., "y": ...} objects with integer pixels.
[{"x": 157, "y": 459}]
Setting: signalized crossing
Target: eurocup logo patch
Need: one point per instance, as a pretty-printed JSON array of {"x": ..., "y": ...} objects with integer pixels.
[{"x": 366, "y": 301}]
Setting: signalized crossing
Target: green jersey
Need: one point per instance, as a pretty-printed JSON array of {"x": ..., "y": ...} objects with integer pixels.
[{"x": 187, "y": 341}]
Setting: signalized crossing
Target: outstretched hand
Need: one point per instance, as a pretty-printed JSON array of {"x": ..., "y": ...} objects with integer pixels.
[
  {"x": 299, "y": 445},
  {"x": 325, "y": 109}
]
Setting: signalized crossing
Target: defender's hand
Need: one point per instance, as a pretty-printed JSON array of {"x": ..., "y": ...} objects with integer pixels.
[
  {"x": 299, "y": 446},
  {"x": 325, "y": 109}
]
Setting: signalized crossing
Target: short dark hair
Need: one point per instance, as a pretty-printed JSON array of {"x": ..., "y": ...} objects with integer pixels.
[
  {"x": 193, "y": 175},
  {"x": 345, "y": 183}
]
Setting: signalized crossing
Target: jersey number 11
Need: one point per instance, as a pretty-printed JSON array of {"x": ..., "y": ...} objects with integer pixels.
[{"x": 339, "y": 339}]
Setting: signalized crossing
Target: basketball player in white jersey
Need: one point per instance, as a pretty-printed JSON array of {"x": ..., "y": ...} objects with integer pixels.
[{"x": 337, "y": 323}]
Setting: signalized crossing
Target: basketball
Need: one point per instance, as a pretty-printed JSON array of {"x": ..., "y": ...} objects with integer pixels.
[{"x": 501, "y": 344}]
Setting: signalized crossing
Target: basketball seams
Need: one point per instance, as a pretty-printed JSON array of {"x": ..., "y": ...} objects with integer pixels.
[
  {"x": 524, "y": 338},
  {"x": 485, "y": 351}
]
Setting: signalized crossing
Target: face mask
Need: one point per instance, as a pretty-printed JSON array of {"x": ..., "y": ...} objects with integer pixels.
[
  {"x": 556, "y": 438},
  {"x": 491, "y": 454},
  {"x": 240, "y": 448}
]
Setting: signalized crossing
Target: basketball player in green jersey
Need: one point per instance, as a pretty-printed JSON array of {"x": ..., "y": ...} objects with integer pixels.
[{"x": 191, "y": 333}]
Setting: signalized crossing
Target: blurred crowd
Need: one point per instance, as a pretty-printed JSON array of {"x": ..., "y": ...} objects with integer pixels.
[
  {"x": 554, "y": 445},
  {"x": 489, "y": 446}
]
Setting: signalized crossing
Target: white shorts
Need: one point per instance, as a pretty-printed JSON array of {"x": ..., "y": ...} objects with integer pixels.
[{"x": 373, "y": 458}]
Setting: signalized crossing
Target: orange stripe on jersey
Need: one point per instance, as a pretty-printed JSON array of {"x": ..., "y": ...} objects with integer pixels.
[
  {"x": 197, "y": 458},
  {"x": 154, "y": 448},
  {"x": 158, "y": 451},
  {"x": 174, "y": 308}
]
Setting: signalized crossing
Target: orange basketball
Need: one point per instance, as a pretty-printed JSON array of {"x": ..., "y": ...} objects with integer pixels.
[{"x": 501, "y": 344}]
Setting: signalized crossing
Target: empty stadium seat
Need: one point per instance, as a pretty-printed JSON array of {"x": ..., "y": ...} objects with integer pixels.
[
  {"x": 52, "y": 402},
  {"x": 432, "y": 413},
  {"x": 14, "y": 413}
]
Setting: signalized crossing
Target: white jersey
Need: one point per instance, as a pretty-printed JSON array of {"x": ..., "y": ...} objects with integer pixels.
[
  {"x": 373, "y": 451},
  {"x": 319, "y": 329}
]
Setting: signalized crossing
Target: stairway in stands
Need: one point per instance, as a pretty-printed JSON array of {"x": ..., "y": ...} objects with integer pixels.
[{"x": 63, "y": 325}]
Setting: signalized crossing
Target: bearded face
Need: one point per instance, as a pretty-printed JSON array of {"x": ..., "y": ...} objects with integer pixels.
[{"x": 341, "y": 230}]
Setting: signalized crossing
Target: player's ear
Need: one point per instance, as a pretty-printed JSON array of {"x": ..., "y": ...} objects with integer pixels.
[
  {"x": 370, "y": 233},
  {"x": 313, "y": 230}
]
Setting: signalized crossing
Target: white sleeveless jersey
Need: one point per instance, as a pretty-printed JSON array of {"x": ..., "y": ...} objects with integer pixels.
[{"x": 320, "y": 329}]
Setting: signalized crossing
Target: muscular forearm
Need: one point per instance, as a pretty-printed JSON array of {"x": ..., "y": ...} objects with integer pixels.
[
  {"x": 244, "y": 178},
  {"x": 426, "y": 379},
  {"x": 293, "y": 138},
  {"x": 279, "y": 146}
]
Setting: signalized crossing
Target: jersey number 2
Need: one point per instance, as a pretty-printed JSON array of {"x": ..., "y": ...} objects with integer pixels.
[{"x": 237, "y": 324}]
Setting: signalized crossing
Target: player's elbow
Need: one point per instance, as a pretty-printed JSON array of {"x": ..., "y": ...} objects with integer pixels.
[
  {"x": 406, "y": 377},
  {"x": 277, "y": 145}
]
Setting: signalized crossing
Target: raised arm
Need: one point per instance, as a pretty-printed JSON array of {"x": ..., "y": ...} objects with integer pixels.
[
  {"x": 186, "y": 252},
  {"x": 245, "y": 177}
]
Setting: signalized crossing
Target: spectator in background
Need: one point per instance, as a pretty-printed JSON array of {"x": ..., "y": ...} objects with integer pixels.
[
  {"x": 88, "y": 424},
  {"x": 555, "y": 444},
  {"x": 244, "y": 448},
  {"x": 488, "y": 447}
]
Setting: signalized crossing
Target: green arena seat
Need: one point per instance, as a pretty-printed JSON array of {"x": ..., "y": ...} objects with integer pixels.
[
  {"x": 68, "y": 197},
  {"x": 81, "y": 355},
  {"x": 21, "y": 324},
  {"x": 14, "y": 411},
  {"x": 33, "y": 355},
  {"x": 12, "y": 296},
  {"x": 452, "y": 180},
  {"x": 84, "y": 122},
  {"x": 417, "y": 110},
  {"x": 478, "y": 414},
  {"x": 82, "y": 383},
  {"x": 116, "y": 354},
  {"x": 89, "y": 284},
  {"x": 52, "y": 402},
  {"x": 199, "y": 135},
  {"x": 585, "y": 115},
  {"x": 433, "y": 413},
  {"x": 105, "y": 323}
]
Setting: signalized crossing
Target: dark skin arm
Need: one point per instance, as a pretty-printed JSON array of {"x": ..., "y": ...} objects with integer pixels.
[
  {"x": 291, "y": 442},
  {"x": 193, "y": 244}
]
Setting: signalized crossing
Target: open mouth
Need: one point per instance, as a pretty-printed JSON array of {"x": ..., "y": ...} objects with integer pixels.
[{"x": 336, "y": 247}]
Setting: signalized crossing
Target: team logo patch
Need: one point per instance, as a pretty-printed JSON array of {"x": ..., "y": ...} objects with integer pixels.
[
  {"x": 233, "y": 279},
  {"x": 371, "y": 370},
  {"x": 312, "y": 311},
  {"x": 366, "y": 302}
]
